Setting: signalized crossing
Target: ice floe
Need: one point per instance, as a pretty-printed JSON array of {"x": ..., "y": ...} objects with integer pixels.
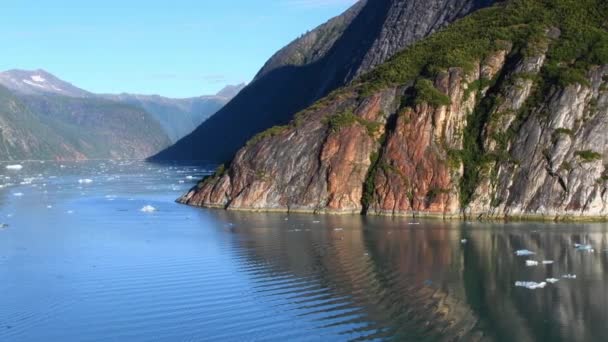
[
  {"x": 531, "y": 263},
  {"x": 18, "y": 194},
  {"x": 524, "y": 252},
  {"x": 85, "y": 181},
  {"x": 569, "y": 276},
  {"x": 530, "y": 284},
  {"x": 14, "y": 167},
  {"x": 552, "y": 280},
  {"x": 584, "y": 248},
  {"x": 548, "y": 262},
  {"x": 148, "y": 209}
]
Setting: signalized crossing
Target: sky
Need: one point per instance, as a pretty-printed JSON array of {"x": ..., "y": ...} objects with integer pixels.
[{"x": 176, "y": 48}]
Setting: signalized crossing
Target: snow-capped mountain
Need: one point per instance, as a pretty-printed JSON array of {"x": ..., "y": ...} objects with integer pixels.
[{"x": 39, "y": 82}]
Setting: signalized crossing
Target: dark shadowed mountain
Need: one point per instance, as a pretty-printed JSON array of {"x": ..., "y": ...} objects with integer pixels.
[{"x": 315, "y": 64}]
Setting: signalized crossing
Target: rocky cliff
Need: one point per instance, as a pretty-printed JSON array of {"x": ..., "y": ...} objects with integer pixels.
[
  {"x": 317, "y": 63},
  {"x": 502, "y": 114}
]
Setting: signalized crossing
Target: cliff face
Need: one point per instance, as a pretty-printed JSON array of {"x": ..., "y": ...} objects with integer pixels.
[
  {"x": 317, "y": 63},
  {"x": 500, "y": 115}
]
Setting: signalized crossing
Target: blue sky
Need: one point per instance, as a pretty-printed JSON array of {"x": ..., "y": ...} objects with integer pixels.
[{"x": 175, "y": 48}]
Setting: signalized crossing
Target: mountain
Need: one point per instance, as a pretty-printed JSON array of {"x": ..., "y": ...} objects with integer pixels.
[
  {"x": 179, "y": 117},
  {"x": 39, "y": 82},
  {"x": 315, "y": 64},
  {"x": 61, "y": 121},
  {"x": 503, "y": 114}
]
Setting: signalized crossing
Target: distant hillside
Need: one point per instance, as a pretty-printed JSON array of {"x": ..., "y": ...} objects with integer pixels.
[
  {"x": 44, "y": 117},
  {"x": 179, "y": 117}
]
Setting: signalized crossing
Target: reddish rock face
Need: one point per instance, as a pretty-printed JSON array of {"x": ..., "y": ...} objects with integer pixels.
[{"x": 388, "y": 156}]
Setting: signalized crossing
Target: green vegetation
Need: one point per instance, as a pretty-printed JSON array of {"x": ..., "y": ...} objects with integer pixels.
[
  {"x": 583, "y": 41},
  {"x": 271, "y": 132},
  {"x": 588, "y": 156},
  {"x": 369, "y": 186},
  {"x": 427, "y": 93},
  {"x": 519, "y": 26},
  {"x": 605, "y": 174},
  {"x": 566, "y": 166},
  {"x": 347, "y": 118},
  {"x": 559, "y": 132}
]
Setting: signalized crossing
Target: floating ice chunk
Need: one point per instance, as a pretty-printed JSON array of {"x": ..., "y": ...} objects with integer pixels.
[
  {"x": 18, "y": 194},
  {"x": 530, "y": 284},
  {"x": 148, "y": 209},
  {"x": 569, "y": 276},
  {"x": 548, "y": 262},
  {"x": 85, "y": 181},
  {"x": 552, "y": 280},
  {"x": 189, "y": 177},
  {"x": 524, "y": 252},
  {"x": 531, "y": 263},
  {"x": 584, "y": 248},
  {"x": 49, "y": 207},
  {"x": 70, "y": 212},
  {"x": 14, "y": 167}
]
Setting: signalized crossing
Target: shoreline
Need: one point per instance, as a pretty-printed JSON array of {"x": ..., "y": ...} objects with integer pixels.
[{"x": 540, "y": 218}]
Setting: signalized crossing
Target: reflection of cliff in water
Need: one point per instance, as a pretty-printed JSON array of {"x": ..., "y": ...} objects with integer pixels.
[
  {"x": 571, "y": 310},
  {"x": 378, "y": 277}
]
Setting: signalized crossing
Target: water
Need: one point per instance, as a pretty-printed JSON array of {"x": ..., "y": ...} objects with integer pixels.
[{"x": 80, "y": 261}]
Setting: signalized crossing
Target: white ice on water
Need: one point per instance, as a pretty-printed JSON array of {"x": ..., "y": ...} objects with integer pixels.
[
  {"x": 148, "y": 209},
  {"x": 530, "y": 284},
  {"x": 524, "y": 252},
  {"x": 14, "y": 167}
]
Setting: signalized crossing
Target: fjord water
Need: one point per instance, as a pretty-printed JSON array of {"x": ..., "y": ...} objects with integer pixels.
[{"x": 80, "y": 261}]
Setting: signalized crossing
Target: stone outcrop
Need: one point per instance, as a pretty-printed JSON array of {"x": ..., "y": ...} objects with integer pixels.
[{"x": 503, "y": 137}]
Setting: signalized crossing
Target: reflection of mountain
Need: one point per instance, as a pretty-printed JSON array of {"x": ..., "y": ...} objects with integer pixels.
[
  {"x": 375, "y": 278},
  {"x": 418, "y": 282}
]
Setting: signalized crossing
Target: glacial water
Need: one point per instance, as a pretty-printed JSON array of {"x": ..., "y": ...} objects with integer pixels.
[{"x": 81, "y": 261}]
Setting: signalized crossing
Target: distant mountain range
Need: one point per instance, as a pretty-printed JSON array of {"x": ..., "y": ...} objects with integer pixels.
[{"x": 44, "y": 117}]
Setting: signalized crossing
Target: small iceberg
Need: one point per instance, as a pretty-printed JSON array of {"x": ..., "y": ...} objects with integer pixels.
[
  {"x": 148, "y": 209},
  {"x": 530, "y": 263},
  {"x": 14, "y": 167},
  {"x": 18, "y": 194},
  {"x": 85, "y": 181},
  {"x": 584, "y": 248},
  {"x": 524, "y": 252},
  {"x": 552, "y": 280},
  {"x": 569, "y": 276},
  {"x": 530, "y": 284},
  {"x": 548, "y": 262}
]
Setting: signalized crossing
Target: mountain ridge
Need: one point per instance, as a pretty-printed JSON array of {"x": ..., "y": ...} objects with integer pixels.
[{"x": 283, "y": 87}]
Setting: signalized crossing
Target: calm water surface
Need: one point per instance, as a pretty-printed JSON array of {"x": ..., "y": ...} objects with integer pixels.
[{"x": 81, "y": 262}]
